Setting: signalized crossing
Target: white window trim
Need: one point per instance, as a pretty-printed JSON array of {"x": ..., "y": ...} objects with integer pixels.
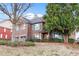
[
  {"x": 17, "y": 28},
  {"x": 37, "y": 26},
  {"x": 4, "y": 30},
  {"x": 1, "y": 35},
  {"x": 6, "y": 36}
]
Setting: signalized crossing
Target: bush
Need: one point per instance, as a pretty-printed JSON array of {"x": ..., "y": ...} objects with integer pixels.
[
  {"x": 9, "y": 43},
  {"x": 3, "y": 42},
  {"x": 71, "y": 40},
  {"x": 16, "y": 43},
  {"x": 28, "y": 43},
  {"x": 45, "y": 40},
  {"x": 35, "y": 40},
  {"x": 56, "y": 40}
]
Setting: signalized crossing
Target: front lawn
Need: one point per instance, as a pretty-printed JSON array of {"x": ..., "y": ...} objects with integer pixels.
[{"x": 40, "y": 49}]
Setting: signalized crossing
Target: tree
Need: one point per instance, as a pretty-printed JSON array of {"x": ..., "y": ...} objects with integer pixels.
[
  {"x": 14, "y": 11},
  {"x": 62, "y": 18}
]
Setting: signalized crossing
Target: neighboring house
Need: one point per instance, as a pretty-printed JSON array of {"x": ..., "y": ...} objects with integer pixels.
[
  {"x": 5, "y": 29},
  {"x": 6, "y": 23},
  {"x": 5, "y": 33}
]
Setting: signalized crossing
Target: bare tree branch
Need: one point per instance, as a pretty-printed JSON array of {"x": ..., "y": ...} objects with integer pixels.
[
  {"x": 3, "y": 9},
  {"x": 16, "y": 12}
]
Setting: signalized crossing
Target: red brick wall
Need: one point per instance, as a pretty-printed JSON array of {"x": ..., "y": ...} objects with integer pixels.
[
  {"x": 29, "y": 31},
  {"x": 4, "y": 33}
]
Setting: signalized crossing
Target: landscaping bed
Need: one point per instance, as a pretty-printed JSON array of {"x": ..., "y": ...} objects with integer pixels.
[
  {"x": 16, "y": 43},
  {"x": 57, "y": 40}
]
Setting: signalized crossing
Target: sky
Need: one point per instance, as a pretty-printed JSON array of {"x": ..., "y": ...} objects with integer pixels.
[{"x": 36, "y": 8}]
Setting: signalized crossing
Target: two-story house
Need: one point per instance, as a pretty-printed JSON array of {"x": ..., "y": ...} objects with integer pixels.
[{"x": 29, "y": 29}]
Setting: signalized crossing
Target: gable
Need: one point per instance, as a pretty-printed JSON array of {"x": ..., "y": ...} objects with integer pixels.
[{"x": 6, "y": 24}]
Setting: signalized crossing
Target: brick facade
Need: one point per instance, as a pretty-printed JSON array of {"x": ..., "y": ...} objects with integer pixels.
[
  {"x": 5, "y": 33},
  {"x": 29, "y": 32}
]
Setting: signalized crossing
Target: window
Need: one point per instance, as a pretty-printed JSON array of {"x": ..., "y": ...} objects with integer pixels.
[
  {"x": 37, "y": 36},
  {"x": 58, "y": 36},
  {"x": 36, "y": 27},
  {"x": 1, "y": 35},
  {"x": 11, "y": 30},
  {"x": 23, "y": 36},
  {"x": 17, "y": 28},
  {"x": 6, "y": 36},
  {"x": 17, "y": 37},
  {"x": 24, "y": 26},
  {"x": 4, "y": 30}
]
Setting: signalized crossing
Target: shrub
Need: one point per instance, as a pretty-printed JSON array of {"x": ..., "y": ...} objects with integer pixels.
[
  {"x": 16, "y": 43},
  {"x": 32, "y": 40},
  {"x": 26, "y": 43},
  {"x": 9, "y": 43},
  {"x": 45, "y": 40},
  {"x": 3, "y": 42},
  {"x": 56, "y": 40},
  {"x": 71, "y": 40},
  {"x": 29, "y": 43},
  {"x": 35, "y": 40}
]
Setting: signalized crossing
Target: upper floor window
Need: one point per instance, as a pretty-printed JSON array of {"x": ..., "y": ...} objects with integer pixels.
[
  {"x": 17, "y": 28},
  {"x": 24, "y": 26},
  {"x": 37, "y": 26},
  {"x": 4, "y": 30}
]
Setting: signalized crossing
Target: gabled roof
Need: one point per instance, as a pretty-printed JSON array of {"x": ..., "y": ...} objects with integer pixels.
[
  {"x": 37, "y": 20},
  {"x": 26, "y": 20},
  {"x": 6, "y": 23},
  {"x": 33, "y": 21}
]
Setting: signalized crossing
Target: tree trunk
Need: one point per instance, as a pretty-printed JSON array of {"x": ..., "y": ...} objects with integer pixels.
[
  {"x": 66, "y": 39},
  {"x": 13, "y": 32}
]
